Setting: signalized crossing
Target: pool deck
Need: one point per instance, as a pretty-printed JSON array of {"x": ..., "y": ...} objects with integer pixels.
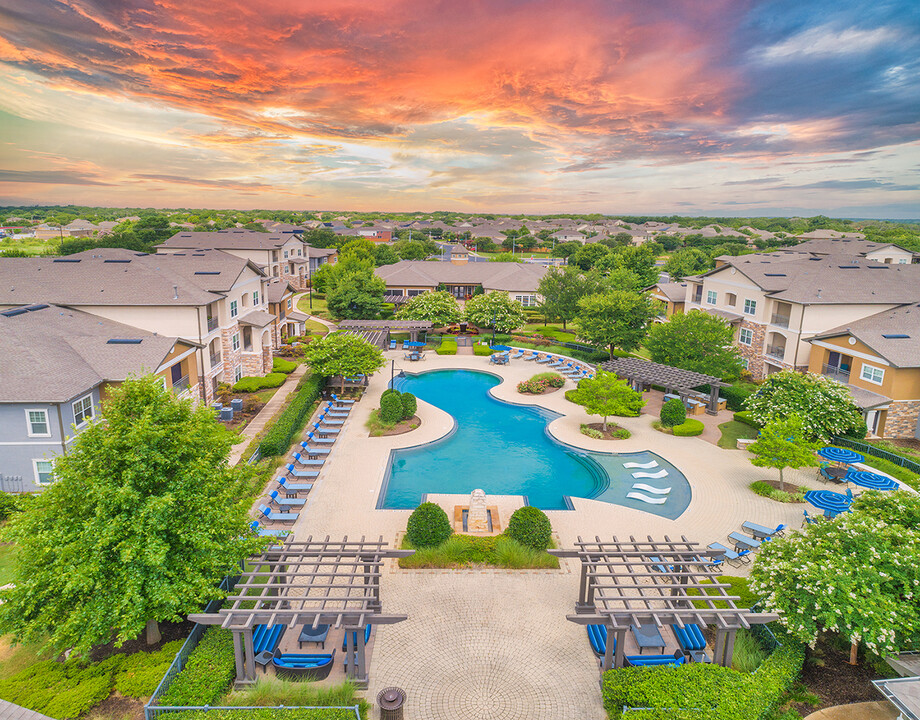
[{"x": 496, "y": 644}]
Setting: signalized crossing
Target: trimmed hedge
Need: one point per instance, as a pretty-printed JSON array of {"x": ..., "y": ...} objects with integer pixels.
[
  {"x": 722, "y": 693},
  {"x": 268, "y": 714},
  {"x": 481, "y": 350},
  {"x": 448, "y": 347},
  {"x": 530, "y": 527},
  {"x": 673, "y": 413},
  {"x": 744, "y": 416},
  {"x": 428, "y": 526},
  {"x": 735, "y": 396},
  {"x": 283, "y": 366},
  {"x": 281, "y": 434},
  {"x": 391, "y": 408},
  {"x": 409, "y": 405},
  {"x": 207, "y": 674},
  {"x": 141, "y": 672},
  {"x": 254, "y": 384},
  {"x": 689, "y": 428}
]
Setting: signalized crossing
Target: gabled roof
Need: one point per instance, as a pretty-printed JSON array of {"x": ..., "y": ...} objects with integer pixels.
[
  {"x": 278, "y": 290},
  {"x": 228, "y": 240},
  {"x": 673, "y": 291},
  {"x": 491, "y": 275},
  {"x": 893, "y": 334},
  {"x": 842, "y": 246},
  {"x": 52, "y": 354}
]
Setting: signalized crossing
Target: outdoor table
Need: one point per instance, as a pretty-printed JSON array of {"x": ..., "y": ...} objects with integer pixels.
[
  {"x": 313, "y": 635},
  {"x": 837, "y": 473},
  {"x": 830, "y": 502},
  {"x": 647, "y": 636},
  {"x": 870, "y": 480}
]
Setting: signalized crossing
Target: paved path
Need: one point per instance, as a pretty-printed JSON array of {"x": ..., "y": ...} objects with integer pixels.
[
  {"x": 880, "y": 710},
  {"x": 9, "y": 711},
  {"x": 268, "y": 411},
  {"x": 322, "y": 321}
]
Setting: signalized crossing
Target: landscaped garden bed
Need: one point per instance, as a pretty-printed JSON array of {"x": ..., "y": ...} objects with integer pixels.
[
  {"x": 788, "y": 493},
  {"x": 377, "y": 428},
  {"x": 395, "y": 416},
  {"x": 598, "y": 431},
  {"x": 541, "y": 384}
]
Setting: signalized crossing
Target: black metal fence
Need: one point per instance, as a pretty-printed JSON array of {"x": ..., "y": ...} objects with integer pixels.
[{"x": 877, "y": 452}]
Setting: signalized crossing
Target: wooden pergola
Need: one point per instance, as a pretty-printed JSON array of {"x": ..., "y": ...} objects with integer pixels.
[
  {"x": 646, "y": 582},
  {"x": 413, "y": 327},
  {"x": 311, "y": 583},
  {"x": 680, "y": 381}
]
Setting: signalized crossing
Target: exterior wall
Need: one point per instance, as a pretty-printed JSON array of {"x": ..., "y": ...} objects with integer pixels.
[
  {"x": 902, "y": 419},
  {"x": 891, "y": 255},
  {"x": 753, "y": 353},
  {"x": 172, "y": 321}
]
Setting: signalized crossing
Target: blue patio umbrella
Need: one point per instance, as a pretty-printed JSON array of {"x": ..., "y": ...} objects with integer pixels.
[
  {"x": 501, "y": 348},
  {"x": 869, "y": 480},
  {"x": 832, "y": 503},
  {"x": 841, "y": 455},
  {"x": 413, "y": 343}
]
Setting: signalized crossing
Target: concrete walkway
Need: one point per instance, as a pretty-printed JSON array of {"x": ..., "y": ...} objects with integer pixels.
[
  {"x": 880, "y": 710},
  {"x": 322, "y": 321},
  {"x": 268, "y": 411}
]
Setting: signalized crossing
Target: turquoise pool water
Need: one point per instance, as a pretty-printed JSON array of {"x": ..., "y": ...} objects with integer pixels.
[{"x": 505, "y": 450}]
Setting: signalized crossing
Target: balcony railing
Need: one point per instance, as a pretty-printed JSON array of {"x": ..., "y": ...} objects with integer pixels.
[
  {"x": 776, "y": 351},
  {"x": 780, "y": 321},
  {"x": 836, "y": 373},
  {"x": 180, "y": 384},
  {"x": 212, "y": 324},
  {"x": 215, "y": 361}
]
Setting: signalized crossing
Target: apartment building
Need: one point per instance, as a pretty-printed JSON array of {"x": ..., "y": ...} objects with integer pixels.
[
  {"x": 776, "y": 301},
  {"x": 291, "y": 322},
  {"x": 669, "y": 298},
  {"x": 211, "y": 298},
  {"x": 58, "y": 364},
  {"x": 888, "y": 253}
]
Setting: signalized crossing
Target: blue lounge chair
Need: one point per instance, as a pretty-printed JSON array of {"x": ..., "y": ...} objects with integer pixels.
[
  {"x": 689, "y": 637},
  {"x": 597, "y": 636},
  {"x": 267, "y": 638},
  {"x": 336, "y": 412},
  {"x": 284, "y": 502},
  {"x": 289, "y": 487},
  {"x": 330, "y": 420},
  {"x": 533, "y": 356},
  {"x": 309, "y": 450},
  {"x": 302, "y": 459},
  {"x": 557, "y": 363},
  {"x": 544, "y": 359},
  {"x": 518, "y": 354},
  {"x": 763, "y": 533},
  {"x": 332, "y": 406},
  {"x": 267, "y": 532},
  {"x": 272, "y": 516},
  {"x": 303, "y": 474},
  {"x": 326, "y": 430},
  {"x": 312, "y": 437},
  {"x": 303, "y": 666},
  {"x": 341, "y": 401},
  {"x": 743, "y": 542},
  {"x": 654, "y": 660},
  {"x": 392, "y": 344},
  {"x": 730, "y": 556}
]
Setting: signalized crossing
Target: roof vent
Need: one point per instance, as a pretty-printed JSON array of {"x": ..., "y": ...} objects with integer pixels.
[
  {"x": 207, "y": 272},
  {"x": 878, "y": 266},
  {"x": 175, "y": 292},
  {"x": 116, "y": 261},
  {"x": 66, "y": 260},
  {"x": 774, "y": 274},
  {"x": 124, "y": 341},
  {"x": 848, "y": 267},
  {"x": 895, "y": 336}
]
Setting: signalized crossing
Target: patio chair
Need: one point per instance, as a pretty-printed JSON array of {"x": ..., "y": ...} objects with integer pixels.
[
  {"x": 556, "y": 363},
  {"x": 762, "y": 533},
  {"x": 284, "y": 502},
  {"x": 392, "y": 344},
  {"x": 689, "y": 637},
  {"x": 340, "y": 401},
  {"x": 312, "y": 453},
  {"x": 289, "y": 487},
  {"x": 809, "y": 519},
  {"x": 334, "y": 411},
  {"x": 326, "y": 430},
  {"x": 304, "y": 474},
  {"x": 354, "y": 637},
  {"x": 743, "y": 542},
  {"x": 302, "y": 666},
  {"x": 518, "y": 354},
  {"x": 544, "y": 359},
  {"x": 330, "y": 421},
  {"x": 312, "y": 437},
  {"x": 533, "y": 355},
  {"x": 272, "y": 516},
  {"x": 736, "y": 559},
  {"x": 597, "y": 636},
  {"x": 655, "y": 660},
  {"x": 267, "y": 532}
]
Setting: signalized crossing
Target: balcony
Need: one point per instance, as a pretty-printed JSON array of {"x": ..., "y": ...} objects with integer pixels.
[
  {"x": 212, "y": 324},
  {"x": 777, "y": 352},
  {"x": 181, "y": 384},
  {"x": 215, "y": 360},
  {"x": 836, "y": 373},
  {"x": 780, "y": 321}
]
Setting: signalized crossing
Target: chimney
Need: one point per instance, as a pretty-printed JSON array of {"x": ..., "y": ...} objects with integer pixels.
[{"x": 175, "y": 292}]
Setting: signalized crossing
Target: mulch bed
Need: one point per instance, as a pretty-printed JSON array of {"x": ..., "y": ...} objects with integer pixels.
[
  {"x": 169, "y": 631},
  {"x": 402, "y": 427},
  {"x": 829, "y": 676},
  {"x": 611, "y": 428},
  {"x": 788, "y": 487},
  {"x": 251, "y": 407},
  {"x": 118, "y": 706}
]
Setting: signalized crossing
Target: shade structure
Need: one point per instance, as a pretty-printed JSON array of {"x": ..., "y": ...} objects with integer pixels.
[
  {"x": 831, "y": 502},
  {"x": 871, "y": 481},
  {"x": 841, "y": 455},
  {"x": 501, "y": 348},
  {"x": 410, "y": 343}
]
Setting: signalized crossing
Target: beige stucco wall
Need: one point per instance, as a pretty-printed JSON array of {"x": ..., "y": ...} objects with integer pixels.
[
  {"x": 891, "y": 255},
  {"x": 898, "y": 383}
]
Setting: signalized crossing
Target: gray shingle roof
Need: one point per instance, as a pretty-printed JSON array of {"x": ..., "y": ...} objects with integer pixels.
[
  {"x": 229, "y": 239},
  {"x": 892, "y": 334},
  {"x": 54, "y": 354},
  {"x": 491, "y": 275},
  {"x": 840, "y": 246},
  {"x": 673, "y": 291},
  {"x": 112, "y": 276}
]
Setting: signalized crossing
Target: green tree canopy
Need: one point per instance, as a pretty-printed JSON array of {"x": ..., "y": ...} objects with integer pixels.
[
  {"x": 825, "y": 406},
  {"x": 615, "y": 319},
  {"x": 857, "y": 575},
  {"x": 342, "y": 354},
  {"x": 607, "y": 395},
  {"x": 322, "y": 238},
  {"x": 782, "y": 444},
  {"x": 685, "y": 262},
  {"x": 385, "y": 255},
  {"x": 143, "y": 520},
  {"x": 587, "y": 256},
  {"x": 417, "y": 249},
  {"x": 357, "y": 296},
  {"x": 441, "y": 308},
  {"x": 695, "y": 341},
  {"x": 562, "y": 288},
  {"x": 495, "y": 309}
]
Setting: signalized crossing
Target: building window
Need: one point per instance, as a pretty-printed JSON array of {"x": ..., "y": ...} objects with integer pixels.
[
  {"x": 233, "y": 309},
  {"x": 38, "y": 423},
  {"x": 83, "y": 411},
  {"x": 902, "y": 261},
  {"x": 872, "y": 374},
  {"x": 285, "y": 254},
  {"x": 731, "y": 299},
  {"x": 237, "y": 373},
  {"x": 290, "y": 303},
  {"x": 711, "y": 297},
  {"x": 235, "y": 341},
  {"x": 745, "y": 336},
  {"x": 413, "y": 293},
  {"x": 527, "y": 300},
  {"x": 744, "y": 363},
  {"x": 43, "y": 471},
  {"x": 750, "y": 307},
  {"x": 255, "y": 298}
]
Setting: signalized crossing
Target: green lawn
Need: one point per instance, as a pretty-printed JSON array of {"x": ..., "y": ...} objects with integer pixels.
[
  {"x": 316, "y": 328},
  {"x": 552, "y": 330},
  {"x": 30, "y": 245},
  {"x": 320, "y": 308},
  {"x": 7, "y": 563},
  {"x": 732, "y": 431}
]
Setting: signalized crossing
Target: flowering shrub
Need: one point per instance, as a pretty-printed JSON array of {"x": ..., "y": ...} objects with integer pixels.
[
  {"x": 538, "y": 383},
  {"x": 532, "y": 387},
  {"x": 857, "y": 575}
]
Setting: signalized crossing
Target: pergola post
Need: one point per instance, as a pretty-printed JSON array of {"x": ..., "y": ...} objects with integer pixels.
[
  {"x": 413, "y": 335},
  {"x": 582, "y": 605},
  {"x": 608, "y": 651},
  {"x": 238, "y": 654},
  {"x": 350, "y": 653},
  {"x": 249, "y": 671},
  {"x": 729, "y": 647},
  {"x": 713, "y": 407},
  {"x": 621, "y": 648},
  {"x": 719, "y": 649},
  {"x": 361, "y": 672}
]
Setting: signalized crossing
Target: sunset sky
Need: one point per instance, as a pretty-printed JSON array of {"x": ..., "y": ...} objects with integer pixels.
[{"x": 654, "y": 106}]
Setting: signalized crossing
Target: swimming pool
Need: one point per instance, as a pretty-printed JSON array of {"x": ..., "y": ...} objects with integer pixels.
[{"x": 505, "y": 449}]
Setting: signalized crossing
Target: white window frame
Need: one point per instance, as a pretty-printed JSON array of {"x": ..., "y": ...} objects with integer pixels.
[
  {"x": 255, "y": 297},
  {"x": 745, "y": 363},
  {"x": 29, "y": 422},
  {"x": 902, "y": 261},
  {"x": 753, "y": 304},
  {"x": 285, "y": 254},
  {"x": 38, "y": 474},
  {"x": 745, "y": 332},
  {"x": 526, "y": 300},
  {"x": 86, "y": 419},
  {"x": 237, "y": 373},
  {"x": 234, "y": 309},
  {"x": 712, "y": 297},
  {"x": 871, "y": 375},
  {"x": 290, "y": 303},
  {"x": 235, "y": 341}
]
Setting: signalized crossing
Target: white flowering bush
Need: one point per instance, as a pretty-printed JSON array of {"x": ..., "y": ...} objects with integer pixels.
[
  {"x": 495, "y": 308},
  {"x": 825, "y": 406},
  {"x": 441, "y": 308},
  {"x": 857, "y": 575}
]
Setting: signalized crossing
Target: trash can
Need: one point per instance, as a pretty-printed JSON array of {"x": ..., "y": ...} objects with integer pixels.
[
  {"x": 390, "y": 701},
  {"x": 226, "y": 414},
  {"x": 237, "y": 404}
]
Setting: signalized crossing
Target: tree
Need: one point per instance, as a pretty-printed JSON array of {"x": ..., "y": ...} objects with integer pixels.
[
  {"x": 322, "y": 238},
  {"x": 441, "y": 308},
  {"x": 415, "y": 249},
  {"x": 565, "y": 249},
  {"x": 588, "y": 255},
  {"x": 342, "y": 354},
  {"x": 495, "y": 309},
  {"x": 606, "y": 395},
  {"x": 615, "y": 319},
  {"x": 561, "y": 289},
  {"x": 695, "y": 341},
  {"x": 673, "y": 413},
  {"x": 143, "y": 520},
  {"x": 856, "y": 575},
  {"x": 825, "y": 406},
  {"x": 782, "y": 444},
  {"x": 638, "y": 260},
  {"x": 385, "y": 255},
  {"x": 506, "y": 257},
  {"x": 357, "y": 296},
  {"x": 688, "y": 261}
]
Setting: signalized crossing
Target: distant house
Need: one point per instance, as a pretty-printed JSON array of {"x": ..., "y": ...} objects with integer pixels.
[
  {"x": 291, "y": 322},
  {"x": 671, "y": 297},
  {"x": 58, "y": 364},
  {"x": 830, "y": 235},
  {"x": 375, "y": 233},
  {"x": 568, "y": 236},
  {"x": 888, "y": 253}
]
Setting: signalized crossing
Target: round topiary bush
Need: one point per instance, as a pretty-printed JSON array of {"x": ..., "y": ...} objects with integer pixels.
[
  {"x": 689, "y": 428},
  {"x": 530, "y": 527},
  {"x": 673, "y": 413},
  {"x": 428, "y": 526},
  {"x": 409, "y": 405},
  {"x": 391, "y": 408}
]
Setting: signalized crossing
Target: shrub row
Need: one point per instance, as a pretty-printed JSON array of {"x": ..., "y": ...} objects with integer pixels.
[
  {"x": 396, "y": 406},
  {"x": 448, "y": 347},
  {"x": 481, "y": 350},
  {"x": 722, "y": 693},
  {"x": 279, "y": 437},
  {"x": 283, "y": 366},
  {"x": 768, "y": 491},
  {"x": 268, "y": 714},
  {"x": 735, "y": 396},
  {"x": 254, "y": 384},
  {"x": 689, "y": 428},
  {"x": 744, "y": 416},
  {"x": 207, "y": 673}
]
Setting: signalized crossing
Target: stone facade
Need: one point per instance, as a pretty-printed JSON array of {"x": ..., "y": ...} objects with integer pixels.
[
  {"x": 753, "y": 353},
  {"x": 901, "y": 421}
]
